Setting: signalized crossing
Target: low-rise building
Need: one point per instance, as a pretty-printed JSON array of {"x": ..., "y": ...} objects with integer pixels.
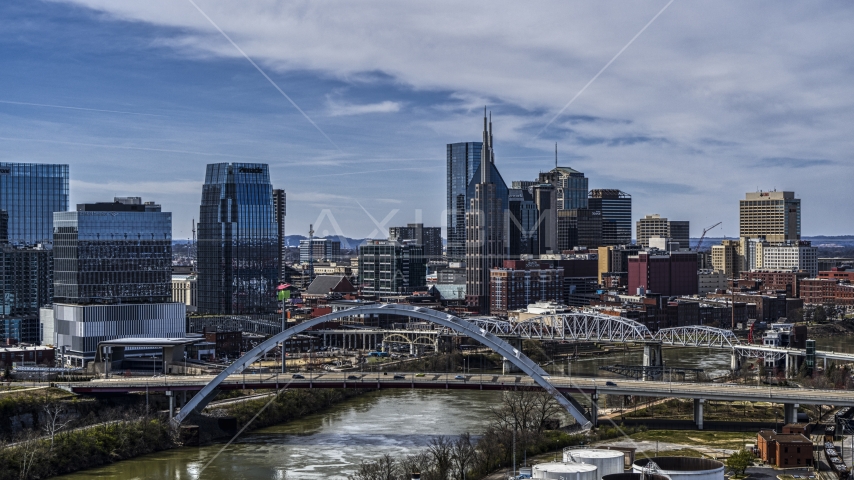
[
  {"x": 784, "y": 450},
  {"x": 710, "y": 281},
  {"x": 184, "y": 290},
  {"x": 26, "y": 356},
  {"x": 520, "y": 283}
]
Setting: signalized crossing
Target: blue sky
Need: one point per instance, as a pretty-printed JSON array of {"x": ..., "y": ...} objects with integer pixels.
[{"x": 710, "y": 101}]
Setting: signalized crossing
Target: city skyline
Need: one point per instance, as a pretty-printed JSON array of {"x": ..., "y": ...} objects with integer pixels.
[{"x": 696, "y": 112}]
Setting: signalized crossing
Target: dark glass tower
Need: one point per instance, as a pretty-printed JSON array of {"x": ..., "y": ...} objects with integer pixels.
[
  {"x": 30, "y": 193},
  {"x": 280, "y": 207},
  {"x": 238, "y": 240},
  {"x": 463, "y": 161},
  {"x": 113, "y": 253},
  {"x": 485, "y": 232},
  {"x": 616, "y": 208}
]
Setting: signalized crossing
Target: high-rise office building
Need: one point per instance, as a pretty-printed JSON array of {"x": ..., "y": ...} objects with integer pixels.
[
  {"x": 726, "y": 258},
  {"x": 112, "y": 277},
  {"x": 30, "y": 193},
  {"x": 545, "y": 197},
  {"x": 485, "y": 232},
  {"x": 570, "y": 187},
  {"x": 238, "y": 240},
  {"x": 522, "y": 223},
  {"x": 280, "y": 210},
  {"x": 111, "y": 253},
  {"x": 392, "y": 268},
  {"x": 428, "y": 237},
  {"x": 463, "y": 159},
  {"x": 774, "y": 216},
  {"x": 657, "y": 226},
  {"x": 4, "y": 226},
  {"x": 579, "y": 227},
  {"x": 26, "y": 284},
  {"x": 616, "y": 208},
  {"x": 322, "y": 250}
]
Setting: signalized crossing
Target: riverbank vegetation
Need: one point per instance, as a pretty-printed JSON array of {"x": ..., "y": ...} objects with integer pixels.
[
  {"x": 56, "y": 451},
  {"x": 523, "y": 424}
]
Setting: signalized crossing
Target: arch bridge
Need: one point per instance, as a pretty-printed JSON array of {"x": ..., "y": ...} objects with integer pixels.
[{"x": 456, "y": 324}]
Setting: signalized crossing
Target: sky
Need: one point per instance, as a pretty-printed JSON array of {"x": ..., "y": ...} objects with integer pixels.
[{"x": 684, "y": 105}]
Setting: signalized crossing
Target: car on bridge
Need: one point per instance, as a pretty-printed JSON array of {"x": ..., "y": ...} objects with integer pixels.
[
  {"x": 610, "y": 384},
  {"x": 353, "y": 377},
  {"x": 399, "y": 377},
  {"x": 459, "y": 377},
  {"x": 297, "y": 376}
]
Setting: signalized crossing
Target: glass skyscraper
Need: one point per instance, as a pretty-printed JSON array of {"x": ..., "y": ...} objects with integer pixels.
[
  {"x": 30, "y": 193},
  {"x": 463, "y": 160},
  {"x": 238, "y": 241},
  {"x": 616, "y": 208},
  {"x": 113, "y": 253}
]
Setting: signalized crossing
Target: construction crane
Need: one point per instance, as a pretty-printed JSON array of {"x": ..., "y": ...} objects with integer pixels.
[{"x": 703, "y": 236}]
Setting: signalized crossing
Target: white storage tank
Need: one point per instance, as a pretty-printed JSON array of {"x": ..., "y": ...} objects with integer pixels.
[
  {"x": 608, "y": 462},
  {"x": 682, "y": 468},
  {"x": 567, "y": 471}
]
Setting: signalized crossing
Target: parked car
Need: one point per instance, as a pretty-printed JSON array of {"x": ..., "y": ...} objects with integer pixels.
[{"x": 297, "y": 375}]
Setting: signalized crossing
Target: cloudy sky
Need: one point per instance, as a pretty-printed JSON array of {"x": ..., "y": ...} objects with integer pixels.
[{"x": 699, "y": 103}]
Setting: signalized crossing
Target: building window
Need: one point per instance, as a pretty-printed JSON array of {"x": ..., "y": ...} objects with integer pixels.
[{"x": 786, "y": 461}]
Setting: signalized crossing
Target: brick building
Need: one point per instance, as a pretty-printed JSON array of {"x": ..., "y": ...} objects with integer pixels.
[
  {"x": 782, "y": 281},
  {"x": 820, "y": 291},
  {"x": 520, "y": 283},
  {"x": 784, "y": 450},
  {"x": 669, "y": 274},
  {"x": 27, "y": 356}
]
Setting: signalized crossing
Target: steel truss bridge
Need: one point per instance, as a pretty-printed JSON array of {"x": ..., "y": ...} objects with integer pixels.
[{"x": 596, "y": 327}]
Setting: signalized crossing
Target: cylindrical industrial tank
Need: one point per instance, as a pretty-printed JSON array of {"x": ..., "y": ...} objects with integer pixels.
[
  {"x": 607, "y": 461},
  {"x": 682, "y": 468},
  {"x": 567, "y": 471},
  {"x": 634, "y": 476}
]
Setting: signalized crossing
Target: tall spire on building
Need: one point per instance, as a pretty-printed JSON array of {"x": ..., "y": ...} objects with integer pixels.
[
  {"x": 555, "y": 154},
  {"x": 484, "y": 152}
]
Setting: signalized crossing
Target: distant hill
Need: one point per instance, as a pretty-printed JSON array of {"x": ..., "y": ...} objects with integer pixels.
[{"x": 346, "y": 242}]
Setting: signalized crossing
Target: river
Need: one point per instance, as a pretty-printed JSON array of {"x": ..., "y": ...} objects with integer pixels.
[{"x": 399, "y": 422}]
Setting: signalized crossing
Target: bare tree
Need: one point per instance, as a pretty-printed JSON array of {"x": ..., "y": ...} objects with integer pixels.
[
  {"x": 28, "y": 448},
  {"x": 441, "y": 449},
  {"x": 463, "y": 454},
  {"x": 383, "y": 468},
  {"x": 54, "y": 419}
]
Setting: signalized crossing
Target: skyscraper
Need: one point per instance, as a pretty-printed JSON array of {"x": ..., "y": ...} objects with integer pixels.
[
  {"x": 463, "y": 159},
  {"x": 485, "y": 242},
  {"x": 238, "y": 240},
  {"x": 774, "y": 216},
  {"x": 30, "y": 193},
  {"x": 616, "y": 208},
  {"x": 522, "y": 223},
  {"x": 657, "y": 226},
  {"x": 112, "y": 277},
  {"x": 570, "y": 187},
  {"x": 428, "y": 237},
  {"x": 391, "y": 268},
  {"x": 280, "y": 211}
]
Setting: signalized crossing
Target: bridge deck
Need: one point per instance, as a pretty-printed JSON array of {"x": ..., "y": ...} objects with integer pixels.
[{"x": 709, "y": 391}]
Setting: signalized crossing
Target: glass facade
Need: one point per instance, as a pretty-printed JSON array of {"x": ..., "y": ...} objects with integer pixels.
[
  {"x": 502, "y": 193},
  {"x": 111, "y": 253},
  {"x": 616, "y": 208},
  {"x": 30, "y": 193},
  {"x": 463, "y": 160},
  {"x": 238, "y": 240}
]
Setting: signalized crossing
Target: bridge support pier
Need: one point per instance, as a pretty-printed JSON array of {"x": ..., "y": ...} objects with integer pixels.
[
  {"x": 698, "y": 412},
  {"x": 651, "y": 358},
  {"x": 790, "y": 413},
  {"x": 508, "y": 367},
  {"x": 734, "y": 361},
  {"x": 594, "y": 409},
  {"x": 169, "y": 393}
]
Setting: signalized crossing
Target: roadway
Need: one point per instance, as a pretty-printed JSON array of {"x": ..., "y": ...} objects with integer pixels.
[{"x": 579, "y": 385}]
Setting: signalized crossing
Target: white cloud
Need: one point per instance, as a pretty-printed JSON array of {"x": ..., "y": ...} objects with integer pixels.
[
  {"x": 704, "y": 94},
  {"x": 342, "y": 109}
]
